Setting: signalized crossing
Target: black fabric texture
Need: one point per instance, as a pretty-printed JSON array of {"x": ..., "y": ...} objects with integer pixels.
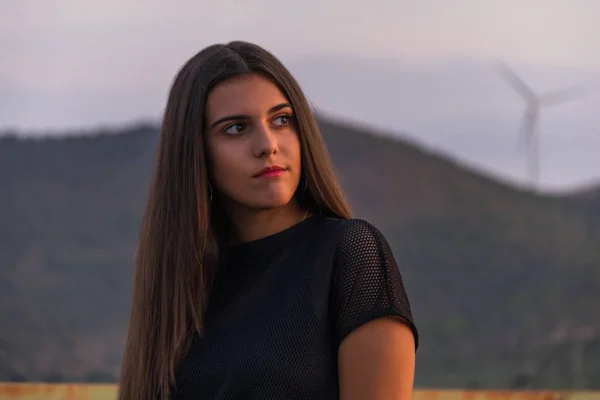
[{"x": 281, "y": 306}]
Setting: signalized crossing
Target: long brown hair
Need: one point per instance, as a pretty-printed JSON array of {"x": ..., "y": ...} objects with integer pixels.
[{"x": 182, "y": 230}]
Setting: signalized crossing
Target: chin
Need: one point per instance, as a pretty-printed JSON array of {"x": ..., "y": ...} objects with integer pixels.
[
  {"x": 273, "y": 201},
  {"x": 264, "y": 199}
]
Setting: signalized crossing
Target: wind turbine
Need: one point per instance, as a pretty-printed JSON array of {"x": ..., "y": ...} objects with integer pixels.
[{"x": 530, "y": 120}]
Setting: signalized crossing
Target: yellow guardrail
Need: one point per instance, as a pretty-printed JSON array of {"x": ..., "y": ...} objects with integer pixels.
[{"x": 31, "y": 391}]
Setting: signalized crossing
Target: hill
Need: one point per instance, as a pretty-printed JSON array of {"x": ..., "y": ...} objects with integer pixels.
[
  {"x": 589, "y": 199},
  {"x": 504, "y": 283}
]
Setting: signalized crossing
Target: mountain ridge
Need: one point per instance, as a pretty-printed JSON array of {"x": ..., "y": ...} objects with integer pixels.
[{"x": 495, "y": 273}]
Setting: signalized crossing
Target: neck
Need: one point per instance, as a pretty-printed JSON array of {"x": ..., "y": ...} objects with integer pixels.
[{"x": 251, "y": 225}]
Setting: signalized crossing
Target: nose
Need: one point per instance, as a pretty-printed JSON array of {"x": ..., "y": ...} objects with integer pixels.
[{"x": 265, "y": 141}]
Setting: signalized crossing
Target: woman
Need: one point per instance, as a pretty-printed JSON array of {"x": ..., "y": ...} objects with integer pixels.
[{"x": 252, "y": 279}]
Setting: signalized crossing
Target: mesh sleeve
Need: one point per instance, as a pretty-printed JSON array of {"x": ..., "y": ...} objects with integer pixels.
[{"x": 366, "y": 282}]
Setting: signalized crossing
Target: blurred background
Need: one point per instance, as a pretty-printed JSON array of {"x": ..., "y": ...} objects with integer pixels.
[{"x": 493, "y": 212}]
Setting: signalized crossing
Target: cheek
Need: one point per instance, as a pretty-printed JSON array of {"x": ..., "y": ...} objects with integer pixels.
[
  {"x": 295, "y": 156},
  {"x": 227, "y": 167}
]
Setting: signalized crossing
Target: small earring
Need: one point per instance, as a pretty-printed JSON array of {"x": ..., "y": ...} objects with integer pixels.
[
  {"x": 210, "y": 193},
  {"x": 305, "y": 185}
]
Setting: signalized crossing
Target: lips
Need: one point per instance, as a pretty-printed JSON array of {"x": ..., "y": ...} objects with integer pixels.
[{"x": 274, "y": 170}]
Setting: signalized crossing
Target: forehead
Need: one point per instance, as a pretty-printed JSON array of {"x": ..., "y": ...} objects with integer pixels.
[{"x": 250, "y": 95}]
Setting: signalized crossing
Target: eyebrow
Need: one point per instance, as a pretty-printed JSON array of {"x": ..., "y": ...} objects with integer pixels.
[{"x": 241, "y": 116}]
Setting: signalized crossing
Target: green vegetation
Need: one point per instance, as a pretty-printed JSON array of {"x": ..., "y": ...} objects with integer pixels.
[{"x": 505, "y": 284}]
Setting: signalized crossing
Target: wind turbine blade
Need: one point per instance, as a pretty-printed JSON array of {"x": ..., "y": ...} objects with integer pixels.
[
  {"x": 516, "y": 82},
  {"x": 561, "y": 95}
]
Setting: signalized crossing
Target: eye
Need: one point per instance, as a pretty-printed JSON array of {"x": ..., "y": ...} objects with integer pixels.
[
  {"x": 283, "y": 120},
  {"x": 234, "y": 129}
]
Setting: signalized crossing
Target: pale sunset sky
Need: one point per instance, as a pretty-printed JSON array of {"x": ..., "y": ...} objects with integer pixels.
[{"x": 422, "y": 69}]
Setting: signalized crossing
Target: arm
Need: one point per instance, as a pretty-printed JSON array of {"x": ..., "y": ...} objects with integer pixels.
[
  {"x": 377, "y": 361},
  {"x": 373, "y": 324}
]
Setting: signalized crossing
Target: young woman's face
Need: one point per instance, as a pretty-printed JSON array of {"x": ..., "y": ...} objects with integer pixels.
[{"x": 252, "y": 142}]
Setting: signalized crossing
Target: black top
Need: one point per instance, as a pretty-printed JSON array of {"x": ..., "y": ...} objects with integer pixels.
[{"x": 281, "y": 307}]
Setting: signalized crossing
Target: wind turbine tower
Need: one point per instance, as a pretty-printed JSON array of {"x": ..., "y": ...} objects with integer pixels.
[{"x": 530, "y": 126}]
